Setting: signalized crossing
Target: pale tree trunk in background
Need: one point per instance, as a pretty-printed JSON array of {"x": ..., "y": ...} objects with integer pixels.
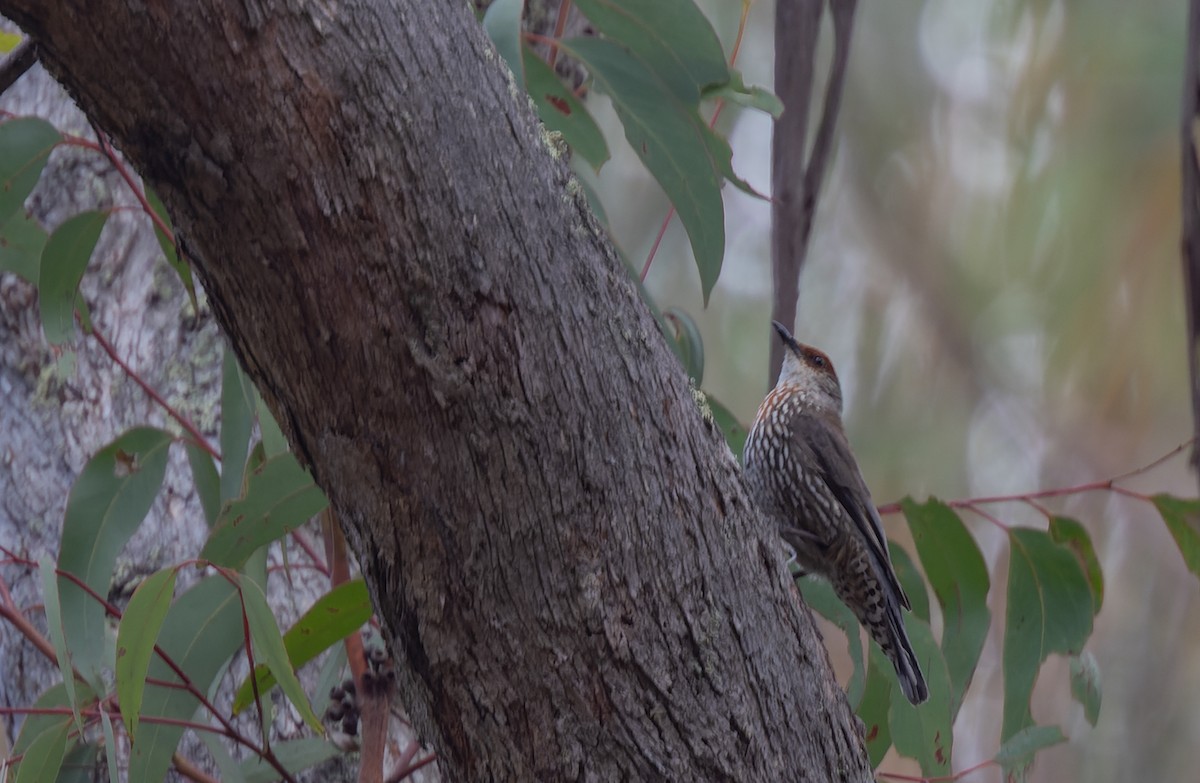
[
  {"x": 574, "y": 582},
  {"x": 52, "y": 422}
]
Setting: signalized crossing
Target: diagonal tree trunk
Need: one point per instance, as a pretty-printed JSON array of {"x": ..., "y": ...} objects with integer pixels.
[{"x": 574, "y": 581}]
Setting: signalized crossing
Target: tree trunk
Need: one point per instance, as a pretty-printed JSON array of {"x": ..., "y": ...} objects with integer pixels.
[{"x": 574, "y": 581}]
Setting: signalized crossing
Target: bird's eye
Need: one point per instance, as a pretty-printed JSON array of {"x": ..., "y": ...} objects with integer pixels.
[{"x": 818, "y": 360}]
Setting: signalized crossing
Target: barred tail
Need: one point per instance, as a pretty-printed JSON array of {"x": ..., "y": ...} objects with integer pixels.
[{"x": 900, "y": 651}]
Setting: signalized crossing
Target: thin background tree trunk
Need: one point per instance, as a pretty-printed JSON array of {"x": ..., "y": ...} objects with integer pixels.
[{"x": 574, "y": 581}]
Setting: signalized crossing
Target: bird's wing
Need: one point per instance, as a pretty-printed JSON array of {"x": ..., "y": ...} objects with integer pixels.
[{"x": 829, "y": 452}]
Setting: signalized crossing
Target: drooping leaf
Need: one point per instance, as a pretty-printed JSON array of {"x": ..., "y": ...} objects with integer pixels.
[
  {"x": 207, "y": 481},
  {"x": 54, "y": 625},
  {"x": 136, "y": 637},
  {"x": 167, "y": 243},
  {"x": 688, "y": 343},
  {"x": 64, "y": 259},
  {"x": 1049, "y": 611},
  {"x": 25, "y": 145},
  {"x": 502, "y": 23},
  {"x": 106, "y": 506},
  {"x": 672, "y": 38},
  {"x": 110, "y": 746},
  {"x": 280, "y": 497},
  {"x": 672, "y": 142},
  {"x": 1020, "y": 749},
  {"x": 819, "y": 595},
  {"x": 21, "y": 243},
  {"x": 270, "y": 650},
  {"x": 560, "y": 110},
  {"x": 875, "y": 704},
  {"x": 924, "y": 732},
  {"x": 294, "y": 755},
  {"x": 202, "y": 631},
  {"x": 44, "y": 757},
  {"x": 46, "y": 717},
  {"x": 959, "y": 578},
  {"x": 1085, "y": 685},
  {"x": 1183, "y": 520},
  {"x": 237, "y": 422},
  {"x": 1075, "y": 537},
  {"x": 273, "y": 441},
  {"x": 335, "y": 615}
]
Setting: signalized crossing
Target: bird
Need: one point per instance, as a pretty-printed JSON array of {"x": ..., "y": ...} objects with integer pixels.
[{"x": 804, "y": 478}]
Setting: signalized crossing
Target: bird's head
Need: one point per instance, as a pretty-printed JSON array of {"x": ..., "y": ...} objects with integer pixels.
[{"x": 811, "y": 371}]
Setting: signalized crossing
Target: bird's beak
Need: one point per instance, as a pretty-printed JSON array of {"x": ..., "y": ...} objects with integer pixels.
[{"x": 785, "y": 335}]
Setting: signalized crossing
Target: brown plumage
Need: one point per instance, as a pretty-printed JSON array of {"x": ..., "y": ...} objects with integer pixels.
[{"x": 805, "y": 479}]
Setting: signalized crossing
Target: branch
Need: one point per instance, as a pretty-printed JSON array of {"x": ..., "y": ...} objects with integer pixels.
[
  {"x": 795, "y": 181},
  {"x": 1190, "y": 192}
]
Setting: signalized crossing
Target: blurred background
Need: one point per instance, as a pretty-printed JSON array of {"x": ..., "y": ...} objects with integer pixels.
[{"x": 995, "y": 272}]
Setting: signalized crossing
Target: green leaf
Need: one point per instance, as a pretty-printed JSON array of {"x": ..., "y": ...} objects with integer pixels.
[
  {"x": 502, "y": 23},
  {"x": 270, "y": 649},
  {"x": 64, "y": 259},
  {"x": 672, "y": 38},
  {"x": 875, "y": 704},
  {"x": 1183, "y": 520},
  {"x": 1075, "y": 537},
  {"x": 329, "y": 675},
  {"x": 44, "y": 758},
  {"x": 231, "y": 771},
  {"x": 280, "y": 497},
  {"x": 335, "y": 615},
  {"x": 9, "y": 41},
  {"x": 106, "y": 506},
  {"x": 167, "y": 243},
  {"x": 910, "y": 580},
  {"x": 25, "y": 145},
  {"x": 80, "y": 763},
  {"x": 53, "y": 697},
  {"x": 561, "y": 111},
  {"x": 1020, "y": 749},
  {"x": 959, "y": 578},
  {"x": 678, "y": 149},
  {"x": 688, "y": 343},
  {"x": 54, "y": 624},
  {"x": 136, "y": 636},
  {"x": 273, "y": 441},
  {"x": 110, "y": 746},
  {"x": 21, "y": 243},
  {"x": 1085, "y": 685},
  {"x": 819, "y": 595},
  {"x": 207, "y": 481},
  {"x": 924, "y": 733},
  {"x": 734, "y": 431},
  {"x": 237, "y": 422},
  {"x": 295, "y": 755},
  {"x": 201, "y": 632},
  {"x": 1049, "y": 611},
  {"x": 736, "y": 91}
]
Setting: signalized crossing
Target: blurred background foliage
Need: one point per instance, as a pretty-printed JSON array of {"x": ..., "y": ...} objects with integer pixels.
[{"x": 995, "y": 271}]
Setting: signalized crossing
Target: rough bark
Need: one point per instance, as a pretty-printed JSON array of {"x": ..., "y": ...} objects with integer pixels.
[{"x": 561, "y": 550}]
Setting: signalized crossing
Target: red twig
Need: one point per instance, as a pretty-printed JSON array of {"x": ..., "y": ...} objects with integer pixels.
[
  {"x": 1105, "y": 485},
  {"x": 720, "y": 106},
  {"x": 564, "y": 9},
  {"x": 154, "y": 395}
]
